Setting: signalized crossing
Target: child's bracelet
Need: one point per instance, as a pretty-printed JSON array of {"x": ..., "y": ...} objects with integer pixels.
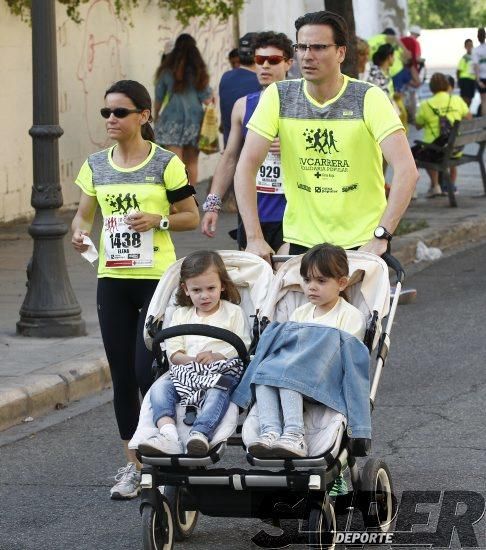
[{"x": 212, "y": 203}]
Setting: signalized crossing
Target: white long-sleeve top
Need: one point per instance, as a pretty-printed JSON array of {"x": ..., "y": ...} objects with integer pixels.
[
  {"x": 229, "y": 316},
  {"x": 343, "y": 316}
]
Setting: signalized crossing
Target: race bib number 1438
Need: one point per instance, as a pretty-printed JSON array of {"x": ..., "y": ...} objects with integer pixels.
[{"x": 125, "y": 247}]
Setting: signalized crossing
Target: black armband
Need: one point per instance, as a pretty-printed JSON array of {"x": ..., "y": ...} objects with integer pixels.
[{"x": 180, "y": 194}]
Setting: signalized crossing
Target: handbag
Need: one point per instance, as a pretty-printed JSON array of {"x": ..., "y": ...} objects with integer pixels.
[{"x": 209, "y": 134}]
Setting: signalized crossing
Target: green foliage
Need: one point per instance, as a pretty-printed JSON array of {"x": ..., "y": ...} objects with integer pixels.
[
  {"x": 184, "y": 9},
  {"x": 447, "y": 14}
]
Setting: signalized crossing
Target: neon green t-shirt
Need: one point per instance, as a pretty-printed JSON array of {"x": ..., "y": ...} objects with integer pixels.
[
  {"x": 465, "y": 67},
  {"x": 452, "y": 106},
  {"x": 375, "y": 42},
  {"x": 149, "y": 187},
  {"x": 331, "y": 159}
]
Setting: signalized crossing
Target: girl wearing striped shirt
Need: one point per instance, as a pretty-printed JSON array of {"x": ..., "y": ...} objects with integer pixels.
[{"x": 204, "y": 371}]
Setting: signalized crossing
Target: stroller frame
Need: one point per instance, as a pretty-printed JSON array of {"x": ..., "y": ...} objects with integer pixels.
[{"x": 174, "y": 487}]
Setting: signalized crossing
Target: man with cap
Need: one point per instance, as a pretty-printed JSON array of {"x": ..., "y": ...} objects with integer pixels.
[
  {"x": 413, "y": 45},
  {"x": 238, "y": 82}
]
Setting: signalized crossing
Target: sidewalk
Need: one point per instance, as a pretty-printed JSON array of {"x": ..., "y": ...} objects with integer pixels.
[{"x": 39, "y": 375}]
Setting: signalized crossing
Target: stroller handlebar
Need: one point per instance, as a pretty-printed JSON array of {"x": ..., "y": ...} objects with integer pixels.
[
  {"x": 394, "y": 264},
  {"x": 203, "y": 330}
]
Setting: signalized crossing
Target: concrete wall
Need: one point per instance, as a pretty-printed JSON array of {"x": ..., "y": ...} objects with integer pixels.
[
  {"x": 442, "y": 48},
  {"x": 92, "y": 55}
]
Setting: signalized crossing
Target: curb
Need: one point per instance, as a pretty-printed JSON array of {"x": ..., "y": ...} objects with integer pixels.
[
  {"x": 446, "y": 239},
  {"x": 51, "y": 388},
  {"x": 57, "y": 386}
]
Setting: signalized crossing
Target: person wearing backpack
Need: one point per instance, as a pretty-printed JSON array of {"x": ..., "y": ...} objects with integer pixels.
[{"x": 437, "y": 116}]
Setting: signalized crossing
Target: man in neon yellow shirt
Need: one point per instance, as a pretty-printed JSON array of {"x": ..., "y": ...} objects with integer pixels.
[
  {"x": 465, "y": 74},
  {"x": 332, "y": 131}
]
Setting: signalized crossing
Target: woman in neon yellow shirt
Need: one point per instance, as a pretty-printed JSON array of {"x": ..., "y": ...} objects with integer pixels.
[
  {"x": 134, "y": 182},
  {"x": 442, "y": 102}
]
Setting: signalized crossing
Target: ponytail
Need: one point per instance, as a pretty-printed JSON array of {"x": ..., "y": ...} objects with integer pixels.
[{"x": 148, "y": 132}]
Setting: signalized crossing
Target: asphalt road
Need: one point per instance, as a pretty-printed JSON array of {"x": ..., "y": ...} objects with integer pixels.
[{"x": 428, "y": 425}]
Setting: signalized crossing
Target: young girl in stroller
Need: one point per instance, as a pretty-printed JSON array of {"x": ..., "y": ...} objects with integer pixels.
[
  {"x": 203, "y": 371},
  {"x": 325, "y": 271}
]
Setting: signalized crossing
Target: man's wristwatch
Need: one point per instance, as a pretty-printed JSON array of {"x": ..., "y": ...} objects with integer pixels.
[
  {"x": 164, "y": 224},
  {"x": 382, "y": 233}
]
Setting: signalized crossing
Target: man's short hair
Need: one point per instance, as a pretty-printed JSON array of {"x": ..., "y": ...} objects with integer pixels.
[
  {"x": 278, "y": 40},
  {"x": 481, "y": 35},
  {"x": 245, "y": 48},
  {"x": 333, "y": 20},
  {"x": 389, "y": 31}
]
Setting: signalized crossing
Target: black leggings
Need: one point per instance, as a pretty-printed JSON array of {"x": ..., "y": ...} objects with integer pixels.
[{"x": 122, "y": 307}]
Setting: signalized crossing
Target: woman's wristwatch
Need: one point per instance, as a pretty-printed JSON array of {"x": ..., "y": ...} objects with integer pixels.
[{"x": 382, "y": 233}]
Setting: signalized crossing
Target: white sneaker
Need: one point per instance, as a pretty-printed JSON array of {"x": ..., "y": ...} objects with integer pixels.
[
  {"x": 290, "y": 444},
  {"x": 262, "y": 447},
  {"x": 128, "y": 483},
  {"x": 197, "y": 444},
  {"x": 435, "y": 191},
  {"x": 161, "y": 443}
]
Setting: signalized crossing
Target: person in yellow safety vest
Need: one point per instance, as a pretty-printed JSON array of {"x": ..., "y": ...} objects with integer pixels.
[{"x": 466, "y": 76}]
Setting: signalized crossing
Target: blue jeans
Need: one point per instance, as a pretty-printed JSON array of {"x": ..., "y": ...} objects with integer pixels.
[
  {"x": 164, "y": 398},
  {"x": 289, "y": 417}
]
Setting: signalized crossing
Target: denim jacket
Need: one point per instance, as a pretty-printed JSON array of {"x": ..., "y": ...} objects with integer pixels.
[{"x": 322, "y": 363}]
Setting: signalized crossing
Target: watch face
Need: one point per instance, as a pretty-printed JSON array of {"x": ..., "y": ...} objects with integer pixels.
[{"x": 379, "y": 232}]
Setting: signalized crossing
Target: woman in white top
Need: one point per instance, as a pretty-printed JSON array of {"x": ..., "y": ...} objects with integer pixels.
[
  {"x": 206, "y": 295},
  {"x": 325, "y": 270}
]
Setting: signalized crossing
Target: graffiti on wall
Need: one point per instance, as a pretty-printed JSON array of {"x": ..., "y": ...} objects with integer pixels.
[{"x": 100, "y": 63}]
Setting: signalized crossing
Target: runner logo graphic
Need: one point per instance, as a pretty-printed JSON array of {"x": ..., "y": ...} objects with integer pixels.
[
  {"x": 320, "y": 141},
  {"x": 122, "y": 204}
]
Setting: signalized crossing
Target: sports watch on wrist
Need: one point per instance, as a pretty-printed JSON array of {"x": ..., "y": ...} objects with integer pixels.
[
  {"x": 382, "y": 233},
  {"x": 164, "y": 223}
]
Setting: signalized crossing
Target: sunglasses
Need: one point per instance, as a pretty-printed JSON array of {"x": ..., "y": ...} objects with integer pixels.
[
  {"x": 119, "y": 112},
  {"x": 272, "y": 59},
  {"x": 316, "y": 48}
]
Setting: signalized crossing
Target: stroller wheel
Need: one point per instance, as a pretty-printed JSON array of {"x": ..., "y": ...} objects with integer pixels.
[
  {"x": 322, "y": 526},
  {"x": 184, "y": 520},
  {"x": 377, "y": 500},
  {"x": 157, "y": 527}
]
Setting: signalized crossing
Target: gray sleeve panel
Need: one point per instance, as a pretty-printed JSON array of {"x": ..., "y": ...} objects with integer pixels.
[
  {"x": 294, "y": 104},
  {"x": 152, "y": 172}
]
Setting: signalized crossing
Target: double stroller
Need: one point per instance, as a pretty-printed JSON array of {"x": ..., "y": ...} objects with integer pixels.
[{"x": 176, "y": 488}]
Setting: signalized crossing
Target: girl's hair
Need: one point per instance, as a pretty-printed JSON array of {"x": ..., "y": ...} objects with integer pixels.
[
  {"x": 382, "y": 54},
  {"x": 329, "y": 260},
  {"x": 140, "y": 97},
  {"x": 186, "y": 65},
  {"x": 196, "y": 264}
]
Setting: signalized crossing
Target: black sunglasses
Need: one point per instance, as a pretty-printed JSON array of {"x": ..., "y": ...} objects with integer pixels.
[{"x": 119, "y": 112}]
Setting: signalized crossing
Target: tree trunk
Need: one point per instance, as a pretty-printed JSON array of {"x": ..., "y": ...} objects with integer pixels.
[{"x": 345, "y": 9}]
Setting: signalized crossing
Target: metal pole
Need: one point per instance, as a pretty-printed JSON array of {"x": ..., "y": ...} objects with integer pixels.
[{"x": 50, "y": 307}]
